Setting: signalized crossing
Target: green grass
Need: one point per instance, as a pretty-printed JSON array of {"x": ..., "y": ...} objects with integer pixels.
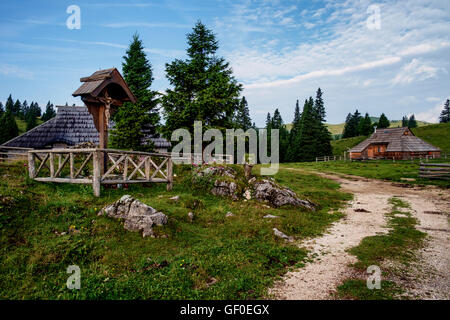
[
  {"x": 398, "y": 245},
  {"x": 436, "y": 134},
  {"x": 22, "y": 124},
  {"x": 212, "y": 257},
  {"x": 376, "y": 169},
  {"x": 341, "y": 145}
]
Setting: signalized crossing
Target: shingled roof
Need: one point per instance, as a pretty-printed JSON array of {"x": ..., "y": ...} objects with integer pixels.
[
  {"x": 396, "y": 140},
  {"x": 72, "y": 126}
]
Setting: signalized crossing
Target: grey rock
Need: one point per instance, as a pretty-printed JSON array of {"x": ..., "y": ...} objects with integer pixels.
[
  {"x": 175, "y": 198},
  {"x": 229, "y": 214},
  {"x": 268, "y": 190},
  {"x": 280, "y": 234},
  {"x": 137, "y": 216},
  {"x": 191, "y": 216},
  {"x": 225, "y": 188},
  {"x": 269, "y": 216}
]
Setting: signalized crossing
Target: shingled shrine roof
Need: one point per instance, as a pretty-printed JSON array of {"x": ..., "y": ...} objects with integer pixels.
[
  {"x": 94, "y": 86},
  {"x": 397, "y": 140}
]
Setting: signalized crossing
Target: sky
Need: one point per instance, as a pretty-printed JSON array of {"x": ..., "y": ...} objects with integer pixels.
[{"x": 389, "y": 57}]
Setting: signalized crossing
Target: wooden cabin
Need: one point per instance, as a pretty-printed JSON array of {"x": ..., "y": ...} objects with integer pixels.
[
  {"x": 393, "y": 143},
  {"x": 73, "y": 125}
]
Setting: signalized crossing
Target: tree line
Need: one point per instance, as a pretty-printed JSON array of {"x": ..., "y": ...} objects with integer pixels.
[
  {"x": 23, "y": 111},
  {"x": 309, "y": 136}
]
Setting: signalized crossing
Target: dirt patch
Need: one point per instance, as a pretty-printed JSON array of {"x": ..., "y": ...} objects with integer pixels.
[{"x": 330, "y": 261}]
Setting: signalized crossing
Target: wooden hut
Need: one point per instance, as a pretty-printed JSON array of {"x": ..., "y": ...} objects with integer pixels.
[
  {"x": 393, "y": 143},
  {"x": 72, "y": 126}
]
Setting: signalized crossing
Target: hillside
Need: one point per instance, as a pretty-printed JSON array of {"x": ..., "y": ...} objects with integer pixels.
[
  {"x": 436, "y": 134},
  {"x": 341, "y": 145},
  {"x": 23, "y": 125}
]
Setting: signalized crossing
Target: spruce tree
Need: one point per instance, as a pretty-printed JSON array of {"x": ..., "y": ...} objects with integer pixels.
[
  {"x": 383, "y": 122},
  {"x": 242, "y": 117},
  {"x": 2, "y": 110},
  {"x": 365, "y": 126},
  {"x": 323, "y": 136},
  {"x": 347, "y": 127},
  {"x": 17, "y": 109},
  {"x": 9, "y": 105},
  {"x": 412, "y": 123},
  {"x": 404, "y": 121},
  {"x": 49, "y": 112},
  {"x": 8, "y": 127},
  {"x": 293, "y": 135},
  {"x": 307, "y": 142},
  {"x": 135, "y": 121},
  {"x": 204, "y": 88},
  {"x": 445, "y": 114}
]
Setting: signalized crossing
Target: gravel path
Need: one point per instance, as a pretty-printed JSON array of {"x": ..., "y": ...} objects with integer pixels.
[{"x": 330, "y": 265}]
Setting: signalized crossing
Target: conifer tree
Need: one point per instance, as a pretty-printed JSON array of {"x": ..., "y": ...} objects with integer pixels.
[
  {"x": 383, "y": 122},
  {"x": 135, "y": 121},
  {"x": 49, "y": 112},
  {"x": 242, "y": 118},
  {"x": 2, "y": 110},
  {"x": 404, "y": 121},
  {"x": 8, "y": 127},
  {"x": 204, "y": 88},
  {"x": 293, "y": 135},
  {"x": 9, "y": 105},
  {"x": 412, "y": 123},
  {"x": 445, "y": 114},
  {"x": 17, "y": 108},
  {"x": 365, "y": 126}
]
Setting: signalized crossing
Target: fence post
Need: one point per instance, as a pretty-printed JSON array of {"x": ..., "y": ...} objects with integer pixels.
[
  {"x": 96, "y": 175},
  {"x": 31, "y": 165},
  {"x": 169, "y": 174}
]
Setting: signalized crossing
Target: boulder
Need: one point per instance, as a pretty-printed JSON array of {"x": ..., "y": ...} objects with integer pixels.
[
  {"x": 225, "y": 188},
  {"x": 281, "y": 235},
  {"x": 137, "y": 216},
  {"x": 268, "y": 190}
]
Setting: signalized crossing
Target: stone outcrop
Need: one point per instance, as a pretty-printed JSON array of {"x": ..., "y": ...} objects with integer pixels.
[
  {"x": 226, "y": 182},
  {"x": 137, "y": 216},
  {"x": 267, "y": 190}
]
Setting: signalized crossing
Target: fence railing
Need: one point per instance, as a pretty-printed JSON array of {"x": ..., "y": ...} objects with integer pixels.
[
  {"x": 13, "y": 153},
  {"x": 99, "y": 166},
  {"x": 329, "y": 158},
  {"x": 435, "y": 171},
  {"x": 192, "y": 158}
]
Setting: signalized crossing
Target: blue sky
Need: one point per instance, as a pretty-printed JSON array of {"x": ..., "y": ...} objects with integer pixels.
[{"x": 279, "y": 50}]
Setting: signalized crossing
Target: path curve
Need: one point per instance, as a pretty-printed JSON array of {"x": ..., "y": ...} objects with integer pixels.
[{"x": 330, "y": 266}]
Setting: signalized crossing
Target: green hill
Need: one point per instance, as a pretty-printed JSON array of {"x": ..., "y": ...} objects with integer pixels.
[
  {"x": 436, "y": 134},
  {"x": 23, "y": 125},
  {"x": 341, "y": 145}
]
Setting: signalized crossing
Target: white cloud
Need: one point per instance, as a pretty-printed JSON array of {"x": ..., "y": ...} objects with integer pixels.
[
  {"x": 416, "y": 70},
  {"x": 432, "y": 114},
  {"x": 15, "y": 71}
]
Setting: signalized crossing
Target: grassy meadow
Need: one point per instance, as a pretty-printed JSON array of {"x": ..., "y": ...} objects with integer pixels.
[{"x": 212, "y": 257}]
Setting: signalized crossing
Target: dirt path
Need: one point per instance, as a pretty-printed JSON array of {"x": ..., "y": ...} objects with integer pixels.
[{"x": 431, "y": 206}]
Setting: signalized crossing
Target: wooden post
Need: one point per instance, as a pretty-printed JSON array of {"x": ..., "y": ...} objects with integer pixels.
[
  {"x": 169, "y": 174},
  {"x": 52, "y": 164},
  {"x": 147, "y": 168},
  {"x": 71, "y": 165},
  {"x": 125, "y": 168},
  {"x": 96, "y": 176},
  {"x": 31, "y": 165}
]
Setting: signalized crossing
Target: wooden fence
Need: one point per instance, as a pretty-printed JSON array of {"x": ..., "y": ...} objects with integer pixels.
[
  {"x": 329, "y": 158},
  {"x": 99, "y": 166},
  {"x": 435, "y": 171},
  {"x": 13, "y": 153}
]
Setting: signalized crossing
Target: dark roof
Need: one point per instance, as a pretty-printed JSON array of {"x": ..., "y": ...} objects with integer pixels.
[
  {"x": 72, "y": 125},
  {"x": 396, "y": 140},
  {"x": 94, "y": 86}
]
